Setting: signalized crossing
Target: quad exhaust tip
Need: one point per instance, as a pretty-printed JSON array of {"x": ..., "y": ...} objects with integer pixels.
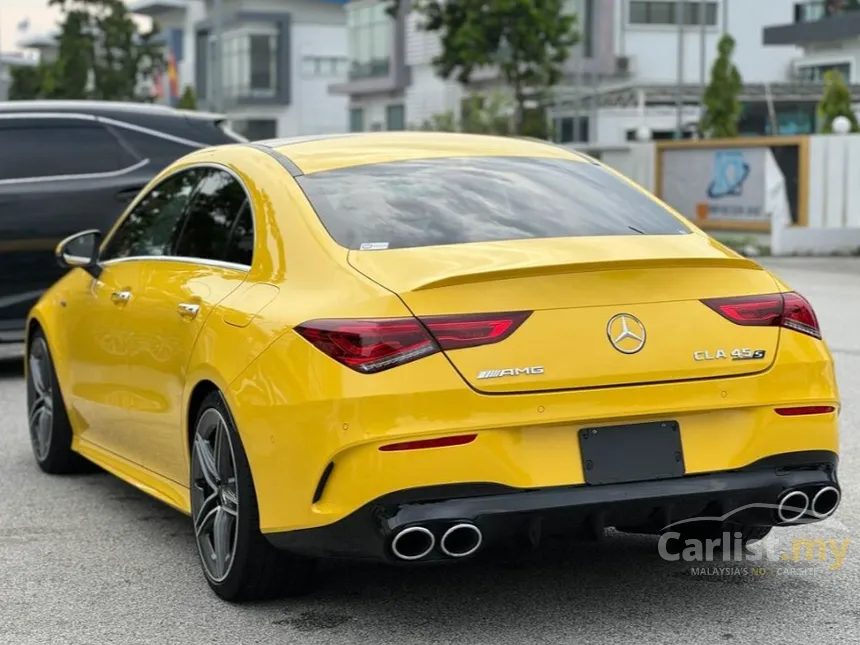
[
  {"x": 825, "y": 502},
  {"x": 413, "y": 543},
  {"x": 461, "y": 540},
  {"x": 793, "y": 506}
]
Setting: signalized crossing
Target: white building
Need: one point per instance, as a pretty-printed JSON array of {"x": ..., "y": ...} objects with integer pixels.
[
  {"x": 624, "y": 74},
  {"x": 826, "y": 40},
  {"x": 278, "y": 60}
]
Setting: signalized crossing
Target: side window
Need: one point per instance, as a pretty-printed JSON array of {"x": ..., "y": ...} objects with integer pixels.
[
  {"x": 152, "y": 227},
  {"x": 211, "y": 216},
  {"x": 157, "y": 149},
  {"x": 56, "y": 147},
  {"x": 240, "y": 248}
]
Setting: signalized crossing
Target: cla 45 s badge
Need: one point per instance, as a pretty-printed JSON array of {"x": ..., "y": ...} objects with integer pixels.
[
  {"x": 513, "y": 371},
  {"x": 743, "y": 354}
]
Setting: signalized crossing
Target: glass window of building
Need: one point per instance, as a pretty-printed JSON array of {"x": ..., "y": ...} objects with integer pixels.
[
  {"x": 250, "y": 65},
  {"x": 370, "y": 30}
]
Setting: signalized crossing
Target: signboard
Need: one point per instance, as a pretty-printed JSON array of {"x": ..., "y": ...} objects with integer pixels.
[{"x": 716, "y": 184}]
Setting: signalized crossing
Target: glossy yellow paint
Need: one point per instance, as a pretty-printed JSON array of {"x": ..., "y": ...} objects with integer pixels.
[{"x": 129, "y": 391}]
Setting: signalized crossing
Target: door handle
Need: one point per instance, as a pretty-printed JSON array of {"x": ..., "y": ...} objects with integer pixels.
[
  {"x": 188, "y": 310},
  {"x": 120, "y": 297}
]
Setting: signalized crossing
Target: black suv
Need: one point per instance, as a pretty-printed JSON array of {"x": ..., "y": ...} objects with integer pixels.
[{"x": 66, "y": 166}]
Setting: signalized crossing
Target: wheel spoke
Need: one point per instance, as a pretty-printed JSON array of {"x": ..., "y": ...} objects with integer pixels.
[
  {"x": 44, "y": 428},
  {"x": 229, "y": 499},
  {"x": 223, "y": 455},
  {"x": 222, "y": 530},
  {"x": 209, "y": 504},
  {"x": 36, "y": 411},
  {"x": 207, "y": 521},
  {"x": 206, "y": 461},
  {"x": 36, "y": 375}
]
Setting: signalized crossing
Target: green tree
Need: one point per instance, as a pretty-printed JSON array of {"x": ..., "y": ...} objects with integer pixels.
[
  {"x": 487, "y": 114},
  {"x": 443, "y": 122},
  {"x": 100, "y": 42},
  {"x": 26, "y": 83},
  {"x": 188, "y": 101},
  {"x": 835, "y": 102},
  {"x": 528, "y": 40},
  {"x": 722, "y": 96}
]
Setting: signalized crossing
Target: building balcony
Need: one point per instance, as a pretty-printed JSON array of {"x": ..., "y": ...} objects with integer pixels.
[
  {"x": 156, "y": 8},
  {"x": 817, "y": 22}
]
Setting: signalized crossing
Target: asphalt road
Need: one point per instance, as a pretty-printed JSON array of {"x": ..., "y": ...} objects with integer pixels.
[{"x": 89, "y": 560}]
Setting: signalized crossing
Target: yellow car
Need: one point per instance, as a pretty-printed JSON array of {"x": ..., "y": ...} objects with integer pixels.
[{"x": 410, "y": 347}]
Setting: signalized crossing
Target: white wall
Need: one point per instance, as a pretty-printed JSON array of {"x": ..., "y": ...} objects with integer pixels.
[
  {"x": 428, "y": 94},
  {"x": 313, "y": 110},
  {"x": 833, "y": 54},
  {"x": 833, "y": 201},
  {"x": 655, "y": 48},
  {"x": 613, "y": 123}
]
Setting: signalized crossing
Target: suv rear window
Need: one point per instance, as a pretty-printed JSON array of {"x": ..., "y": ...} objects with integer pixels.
[{"x": 432, "y": 202}]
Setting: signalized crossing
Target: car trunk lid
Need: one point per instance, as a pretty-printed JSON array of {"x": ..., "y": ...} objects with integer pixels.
[{"x": 605, "y": 311}]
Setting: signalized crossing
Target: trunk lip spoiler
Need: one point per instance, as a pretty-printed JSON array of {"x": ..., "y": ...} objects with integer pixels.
[{"x": 537, "y": 270}]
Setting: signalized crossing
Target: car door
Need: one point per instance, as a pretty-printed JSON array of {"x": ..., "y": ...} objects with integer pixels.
[
  {"x": 104, "y": 344},
  {"x": 177, "y": 294},
  {"x": 59, "y": 174}
]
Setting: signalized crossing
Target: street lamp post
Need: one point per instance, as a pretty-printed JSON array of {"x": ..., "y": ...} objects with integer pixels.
[
  {"x": 680, "y": 9},
  {"x": 218, "y": 63}
]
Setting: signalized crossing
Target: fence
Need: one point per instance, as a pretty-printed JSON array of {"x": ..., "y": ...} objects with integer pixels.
[{"x": 801, "y": 194}]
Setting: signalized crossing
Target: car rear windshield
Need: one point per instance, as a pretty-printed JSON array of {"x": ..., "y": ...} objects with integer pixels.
[{"x": 432, "y": 202}]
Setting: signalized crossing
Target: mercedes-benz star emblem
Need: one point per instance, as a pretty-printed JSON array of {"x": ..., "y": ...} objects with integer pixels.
[{"x": 626, "y": 333}]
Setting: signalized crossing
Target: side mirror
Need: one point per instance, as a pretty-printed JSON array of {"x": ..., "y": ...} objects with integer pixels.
[{"x": 81, "y": 250}]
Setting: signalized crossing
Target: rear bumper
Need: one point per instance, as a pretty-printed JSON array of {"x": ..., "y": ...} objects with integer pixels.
[{"x": 500, "y": 511}]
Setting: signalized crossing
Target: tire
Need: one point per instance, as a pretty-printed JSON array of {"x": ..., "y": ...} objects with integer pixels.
[
  {"x": 224, "y": 510},
  {"x": 47, "y": 420}
]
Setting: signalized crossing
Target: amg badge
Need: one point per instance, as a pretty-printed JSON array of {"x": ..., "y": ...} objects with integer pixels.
[
  {"x": 744, "y": 354},
  {"x": 515, "y": 371}
]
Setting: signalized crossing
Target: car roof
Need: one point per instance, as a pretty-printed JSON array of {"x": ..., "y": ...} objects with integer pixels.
[
  {"x": 122, "y": 109},
  {"x": 317, "y": 153}
]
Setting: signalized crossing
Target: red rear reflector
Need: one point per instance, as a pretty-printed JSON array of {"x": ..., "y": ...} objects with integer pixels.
[
  {"x": 789, "y": 310},
  {"x": 441, "y": 442},
  {"x": 808, "y": 409},
  {"x": 370, "y": 346}
]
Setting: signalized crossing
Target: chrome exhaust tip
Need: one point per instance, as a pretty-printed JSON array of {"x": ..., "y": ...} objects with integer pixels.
[
  {"x": 792, "y": 506},
  {"x": 825, "y": 502},
  {"x": 461, "y": 540},
  {"x": 413, "y": 543}
]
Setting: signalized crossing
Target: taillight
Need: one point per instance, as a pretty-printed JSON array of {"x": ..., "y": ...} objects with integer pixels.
[
  {"x": 789, "y": 310},
  {"x": 374, "y": 345},
  {"x": 799, "y": 315}
]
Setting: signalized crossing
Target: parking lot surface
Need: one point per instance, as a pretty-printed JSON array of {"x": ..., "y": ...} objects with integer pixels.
[{"x": 89, "y": 560}]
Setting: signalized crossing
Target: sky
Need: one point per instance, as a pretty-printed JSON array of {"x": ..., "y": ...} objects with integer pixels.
[{"x": 42, "y": 21}]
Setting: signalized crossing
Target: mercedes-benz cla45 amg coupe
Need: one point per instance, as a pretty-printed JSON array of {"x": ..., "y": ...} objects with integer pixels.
[{"x": 409, "y": 347}]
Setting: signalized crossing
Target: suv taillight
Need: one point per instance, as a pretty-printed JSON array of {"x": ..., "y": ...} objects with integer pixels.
[{"x": 789, "y": 310}]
